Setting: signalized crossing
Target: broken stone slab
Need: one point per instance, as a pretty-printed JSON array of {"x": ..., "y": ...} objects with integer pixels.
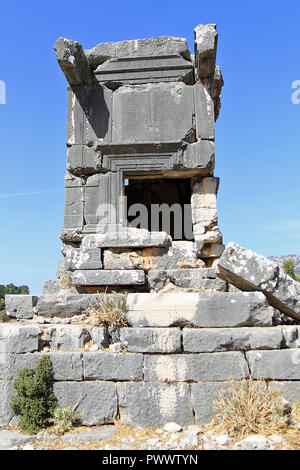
[
  {"x": 64, "y": 304},
  {"x": 154, "y": 404},
  {"x": 206, "y": 38},
  {"x": 100, "y": 337},
  {"x": 108, "y": 278},
  {"x": 98, "y": 401},
  {"x": 67, "y": 337},
  {"x": 275, "y": 365},
  {"x": 159, "y": 46},
  {"x": 249, "y": 271},
  {"x": 20, "y": 306},
  {"x": 218, "y": 84},
  {"x": 19, "y": 339},
  {"x": 112, "y": 366},
  {"x": 205, "y": 309},
  {"x": 151, "y": 340},
  {"x": 217, "y": 366},
  {"x": 101, "y": 434},
  {"x": 9, "y": 439},
  {"x": 7, "y": 390},
  {"x": 72, "y": 61},
  {"x": 232, "y": 339}
]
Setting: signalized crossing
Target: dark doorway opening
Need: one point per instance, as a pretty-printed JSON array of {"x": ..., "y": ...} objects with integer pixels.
[{"x": 160, "y": 204}]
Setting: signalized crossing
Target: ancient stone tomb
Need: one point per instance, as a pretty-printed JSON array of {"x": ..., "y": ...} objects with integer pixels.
[
  {"x": 140, "y": 190},
  {"x": 141, "y": 230}
]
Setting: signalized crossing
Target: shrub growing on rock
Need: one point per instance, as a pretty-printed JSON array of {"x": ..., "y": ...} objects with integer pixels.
[{"x": 35, "y": 401}]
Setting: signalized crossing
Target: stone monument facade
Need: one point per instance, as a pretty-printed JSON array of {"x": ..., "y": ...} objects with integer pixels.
[{"x": 140, "y": 185}]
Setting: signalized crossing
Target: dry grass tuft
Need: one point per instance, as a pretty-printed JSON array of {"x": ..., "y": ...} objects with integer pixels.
[
  {"x": 65, "y": 282},
  {"x": 249, "y": 407},
  {"x": 108, "y": 311}
]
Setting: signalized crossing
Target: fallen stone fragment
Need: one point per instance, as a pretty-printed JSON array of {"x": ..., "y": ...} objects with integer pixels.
[
  {"x": 256, "y": 442},
  {"x": 9, "y": 439},
  {"x": 100, "y": 434},
  {"x": 249, "y": 271}
]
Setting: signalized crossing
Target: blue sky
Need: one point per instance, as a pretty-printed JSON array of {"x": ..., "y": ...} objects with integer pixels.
[{"x": 257, "y": 133}]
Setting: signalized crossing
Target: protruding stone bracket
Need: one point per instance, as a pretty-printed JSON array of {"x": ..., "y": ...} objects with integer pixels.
[{"x": 72, "y": 61}]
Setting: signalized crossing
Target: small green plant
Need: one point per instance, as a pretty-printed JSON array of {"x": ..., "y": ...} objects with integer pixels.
[
  {"x": 35, "y": 402},
  {"x": 65, "y": 418},
  {"x": 289, "y": 268},
  {"x": 109, "y": 311}
]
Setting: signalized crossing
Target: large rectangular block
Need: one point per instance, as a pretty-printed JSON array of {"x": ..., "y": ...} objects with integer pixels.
[
  {"x": 152, "y": 112},
  {"x": 154, "y": 404},
  {"x": 108, "y": 278},
  {"x": 193, "y": 278},
  {"x": 67, "y": 337},
  {"x": 64, "y": 304},
  {"x": 18, "y": 339},
  {"x": 19, "y": 305},
  {"x": 204, "y": 395},
  {"x": 249, "y": 271},
  {"x": 109, "y": 366},
  {"x": 206, "y": 309},
  {"x": 275, "y": 365},
  {"x": 65, "y": 366},
  {"x": 195, "y": 367},
  {"x": 231, "y": 339},
  {"x": 151, "y": 340},
  {"x": 98, "y": 401}
]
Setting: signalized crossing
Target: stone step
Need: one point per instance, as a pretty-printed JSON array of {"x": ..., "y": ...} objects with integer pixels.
[{"x": 204, "y": 309}]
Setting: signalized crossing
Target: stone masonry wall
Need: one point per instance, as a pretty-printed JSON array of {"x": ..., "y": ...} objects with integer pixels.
[{"x": 167, "y": 365}]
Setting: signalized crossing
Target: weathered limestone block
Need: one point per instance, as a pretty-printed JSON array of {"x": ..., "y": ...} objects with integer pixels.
[
  {"x": 83, "y": 159},
  {"x": 18, "y": 339},
  {"x": 152, "y": 112},
  {"x": 204, "y": 201},
  {"x": 98, "y": 400},
  {"x": 206, "y": 39},
  {"x": 72, "y": 60},
  {"x": 201, "y": 156},
  {"x": 88, "y": 121},
  {"x": 7, "y": 390},
  {"x": 64, "y": 304},
  {"x": 206, "y": 309},
  {"x": 77, "y": 258},
  {"x": 192, "y": 279},
  {"x": 65, "y": 366},
  {"x": 20, "y": 306},
  {"x": 249, "y": 271},
  {"x": 108, "y": 278},
  {"x": 204, "y": 112},
  {"x": 218, "y": 83},
  {"x": 231, "y": 339},
  {"x": 275, "y": 365},
  {"x": 160, "y": 46},
  {"x": 112, "y": 366},
  {"x": 195, "y": 367},
  {"x": 178, "y": 255},
  {"x": 203, "y": 395},
  {"x": 291, "y": 390},
  {"x": 154, "y": 404},
  {"x": 51, "y": 287},
  {"x": 151, "y": 340},
  {"x": 67, "y": 337},
  {"x": 128, "y": 237},
  {"x": 100, "y": 337},
  {"x": 73, "y": 218}
]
